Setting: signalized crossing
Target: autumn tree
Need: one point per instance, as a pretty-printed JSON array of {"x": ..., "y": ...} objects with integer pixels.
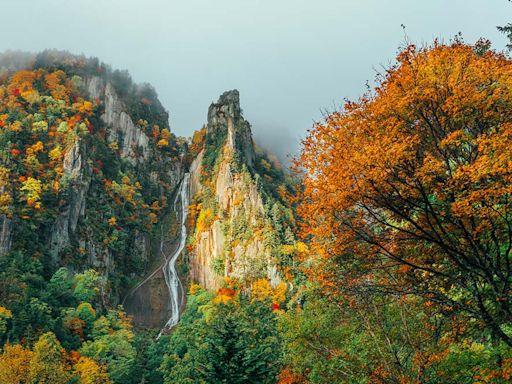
[
  {"x": 90, "y": 372},
  {"x": 15, "y": 364},
  {"x": 48, "y": 363},
  {"x": 408, "y": 190}
]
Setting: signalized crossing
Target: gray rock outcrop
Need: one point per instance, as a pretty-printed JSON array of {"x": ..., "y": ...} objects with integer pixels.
[{"x": 238, "y": 200}]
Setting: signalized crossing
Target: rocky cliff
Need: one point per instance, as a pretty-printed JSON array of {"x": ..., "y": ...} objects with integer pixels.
[
  {"x": 88, "y": 166},
  {"x": 88, "y": 175},
  {"x": 133, "y": 147},
  {"x": 5, "y": 232},
  {"x": 233, "y": 230}
]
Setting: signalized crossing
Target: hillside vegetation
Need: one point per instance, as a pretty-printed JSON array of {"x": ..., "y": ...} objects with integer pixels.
[{"x": 383, "y": 257}]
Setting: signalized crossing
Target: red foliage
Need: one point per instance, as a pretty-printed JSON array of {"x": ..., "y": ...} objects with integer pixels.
[
  {"x": 226, "y": 292},
  {"x": 15, "y": 152}
]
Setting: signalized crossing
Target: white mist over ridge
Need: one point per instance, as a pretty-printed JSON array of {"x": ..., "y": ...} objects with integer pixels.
[{"x": 289, "y": 59}]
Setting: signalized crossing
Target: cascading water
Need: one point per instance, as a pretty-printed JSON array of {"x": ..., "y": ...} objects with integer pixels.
[
  {"x": 139, "y": 301},
  {"x": 169, "y": 268}
]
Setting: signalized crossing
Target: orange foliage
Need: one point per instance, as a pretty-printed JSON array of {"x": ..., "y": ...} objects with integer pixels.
[
  {"x": 15, "y": 364},
  {"x": 197, "y": 143},
  {"x": 57, "y": 84},
  {"x": 415, "y": 179},
  {"x": 34, "y": 133},
  {"x": 224, "y": 296},
  {"x": 287, "y": 376}
]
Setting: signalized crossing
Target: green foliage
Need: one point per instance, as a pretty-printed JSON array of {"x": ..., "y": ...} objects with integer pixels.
[
  {"x": 235, "y": 342},
  {"x": 112, "y": 344},
  {"x": 507, "y": 30},
  {"x": 381, "y": 340},
  {"x": 86, "y": 285},
  {"x": 214, "y": 142},
  {"x": 218, "y": 265},
  {"x": 5, "y": 315}
]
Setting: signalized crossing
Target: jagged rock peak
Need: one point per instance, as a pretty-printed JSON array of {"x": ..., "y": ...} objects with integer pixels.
[
  {"x": 225, "y": 109},
  {"x": 226, "y": 113}
]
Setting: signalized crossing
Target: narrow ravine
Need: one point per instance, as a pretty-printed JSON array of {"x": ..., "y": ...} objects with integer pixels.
[
  {"x": 172, "y": 279},
  {"x": 156, "y": 301}
]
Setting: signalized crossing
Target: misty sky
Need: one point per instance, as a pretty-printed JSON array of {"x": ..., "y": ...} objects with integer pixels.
[{"x": 290, "y": 59}]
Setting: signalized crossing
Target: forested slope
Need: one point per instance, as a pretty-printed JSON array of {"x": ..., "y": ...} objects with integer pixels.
[{"x": 383, "y": 257}]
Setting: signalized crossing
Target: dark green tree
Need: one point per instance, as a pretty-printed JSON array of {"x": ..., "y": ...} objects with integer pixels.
[{"x": 231, "y": 343}]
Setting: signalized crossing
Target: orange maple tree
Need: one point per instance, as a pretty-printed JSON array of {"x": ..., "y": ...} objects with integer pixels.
[{"x": 409, "y": 189}]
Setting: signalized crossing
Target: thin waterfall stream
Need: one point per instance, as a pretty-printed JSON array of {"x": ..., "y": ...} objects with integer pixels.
[
  {"x": 172, "y": 279},
  {"x": 139, "y": 302}
]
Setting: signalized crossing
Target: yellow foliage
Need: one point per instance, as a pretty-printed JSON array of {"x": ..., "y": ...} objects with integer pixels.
[
  {"x": 301, "y": 247},
  {"x": 31, "y": 162},
  {"x": 125, "y": 190},
  {"x": 23, "y": 80},
  {"x": 16, "y": 126},
  {"x": 222, "y": 299},
  {"x": 5, "y": 313},
  {"x": 298, "y": 247},
  {"x": 56, "y": 153},
  {"x": 230, "y": 282},
  {"x": 239, "y": 199},
  {"x": 287, "y": 249},
  {"x": 15, "y": 364},
  {"x": 279, "y": 294},
  {"x": 113, "y": 146},
  {"x": 153, "y": 218},
  {"x": 266, "y": 165},
  {"x": 5, "y": 202},
  {"x": 162, "y": 143},
  {"x": 37, "y": 147},
  {"x": 204, "y": 220},
  {"x": 85, "y": 107},
  {"x": 5, "y": 197},
  {"x": 4, "y": 176},
  {"x": 283, "y": 193},
  {"x": 39, "y": 126},
  {"x": 32, "y": 189},
  {"x": 195, "y": 288},
  {"x": 90, "y": 372},
  {"x": 54, "y": 84},
  {"x": 112, "y": 221},
  {"x": 262, "y": 290},
  {"x": 32, "y": 96},
  {"x": 165, "y": 134},
  {"x": 48, "y": 363},
  {"x": 224, "y": 296}
]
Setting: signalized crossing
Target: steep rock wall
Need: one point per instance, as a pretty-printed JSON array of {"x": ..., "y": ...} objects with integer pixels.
[
  {"x": 77, "y": 170},
  {"x": 229, "y": 238},
  {"x": 5, "y": 234}
]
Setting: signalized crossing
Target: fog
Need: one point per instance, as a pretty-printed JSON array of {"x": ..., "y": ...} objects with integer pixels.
[{"x": 290, "y": 59}]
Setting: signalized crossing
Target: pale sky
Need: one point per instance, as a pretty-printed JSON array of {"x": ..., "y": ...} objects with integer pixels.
[{"x": 290, "y": 59}]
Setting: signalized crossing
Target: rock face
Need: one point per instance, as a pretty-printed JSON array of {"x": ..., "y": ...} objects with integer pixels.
[
  {"x": 5, "y": 234},
  {"x": 134, "y": 147},
  {"x": 226, "y": 112},
  {"x": 79, "y": 176},
  {"x": 233, "y": 243},
  {"x": 134, "y": 142}
]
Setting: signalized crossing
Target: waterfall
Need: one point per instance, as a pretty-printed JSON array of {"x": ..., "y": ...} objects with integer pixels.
[{"x": 169, "y": 268}]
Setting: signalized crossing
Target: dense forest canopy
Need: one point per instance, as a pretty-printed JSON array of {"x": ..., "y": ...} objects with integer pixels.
[{"x": 384, "y": 258}]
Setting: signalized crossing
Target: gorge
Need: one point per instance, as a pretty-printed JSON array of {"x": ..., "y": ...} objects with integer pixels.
[{"x": 129, "y": 255}]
